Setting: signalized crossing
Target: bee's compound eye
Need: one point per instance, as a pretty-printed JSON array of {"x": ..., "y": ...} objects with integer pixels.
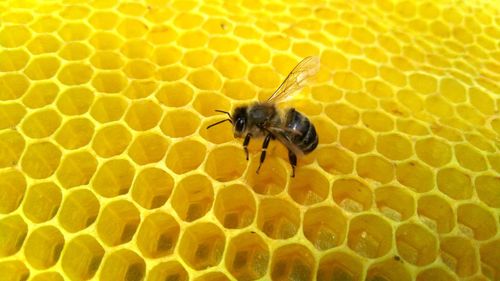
[{"x": 239, "y": 125}]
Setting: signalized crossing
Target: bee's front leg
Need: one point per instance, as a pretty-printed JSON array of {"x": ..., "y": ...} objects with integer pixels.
[
  {"x": 245, "y": 143},
  {"x": 265, "y": 144}
]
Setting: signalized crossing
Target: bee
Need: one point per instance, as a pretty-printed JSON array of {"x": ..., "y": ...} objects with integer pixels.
[{"x": 264, "y": 119}]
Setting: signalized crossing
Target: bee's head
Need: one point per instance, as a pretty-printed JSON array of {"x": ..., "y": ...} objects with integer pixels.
[{"x": 239, "y": 120}]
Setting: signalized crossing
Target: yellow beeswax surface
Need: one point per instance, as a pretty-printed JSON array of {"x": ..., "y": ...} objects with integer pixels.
[{"x": 107, "y": 170}]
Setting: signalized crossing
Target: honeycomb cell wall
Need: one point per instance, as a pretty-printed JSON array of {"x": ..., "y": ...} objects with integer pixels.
[{"x": 108, "y": 171}]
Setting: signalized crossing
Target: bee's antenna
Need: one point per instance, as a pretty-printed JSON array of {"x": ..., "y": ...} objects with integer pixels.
[
  {"x": 217, "y": 123},
  {"x": 222, "y": 111}
]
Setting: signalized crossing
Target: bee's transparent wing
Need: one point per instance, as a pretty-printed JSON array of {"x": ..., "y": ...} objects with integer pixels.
[{"x": 297, "y": 79}]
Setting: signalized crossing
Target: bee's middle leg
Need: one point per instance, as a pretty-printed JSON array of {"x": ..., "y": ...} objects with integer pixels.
[
  {"x": 265, "y": 144},
  {"x": 245, "y": 143},
  {"x": 293, "y": 161}
]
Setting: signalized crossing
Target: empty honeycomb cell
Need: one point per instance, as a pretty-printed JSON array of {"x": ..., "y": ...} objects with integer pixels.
[
  {"x": 41, "y": 159},
  {"x": 474, "y": 218},
  {"x": 41, "y": 123},
  {"x": 459, "y": 255},
  {"x": 74, "y": 31},
  {"x": 255, "y": 53},
  {"x": 376, "y": 168},
  {"x": 282, "y": 63},
  {"x": 325, "y": 227},
  {"x": 356, "y": 139},
  {"x": 188, "y": 20},
  {"x": 454, "y": 183},
  {"x": 412, "y": 127},
  {"x": 212, "y": 276},
  {"x": 292, "y": 262},
  {"x": 264, "y": 77},
  {"x": 202, "y": 245},
  {"x": 308, "y": 187},
  {"x": 139, "y": 69},
  {"x": 216, "y": 167},
  {"x": 185, "y": 156},
  {"x": 43, "y": 247},
  {"x": 14, "y": 36},
  {"x": 342, "y": 114},
  {"x": 81, "y": 257},
  {"x": 75, "y": 101},
  {"x": 111, "y": 140},
  {"x": 436, "y": 213},
  {"x": 339, "y": 266},
  {"x": 14, "y": 231},
  {"x": 435, "y": 273},
  {"x": 218, "y": 134},
  {"x": 363, "y": 68},
  {"x": 75, "y": 74},
  {"x": 235, "y": 206},
  {"x": 379, "y": 89},
  {"x": 325, "y": 129},
  {"x": 166, "y": 55},
  {"x": 109, "y": 82},
  {"x": 105, "y": 41},
  {"x": 76, "y": 169},
  {"x": 352, "y": 195},
  {"x": 489, "y": 253},
  {"x": 170, "y": 73},
  {"x": 452, "y": 89},
  {"x": 123, "y": 264},
  {"x": 369, "y": 236},
  {"x": 470, "y": 115},
  {"x": 193, "y": 197},
  {"x": 75, "y": 133},
  {"x": 45, "y": 23},
  {"x": 161, "y": 34},
  {"x": 132, "y": 28},
  {"x": 13, "y": 60},
  {"x": 392, "y": 76},
  {"x": 390, "y": 270},
  {"x": 197, "y": 58},
  {"x": 494, "y": 161},
  {"x": 106, "y": 60},
  {"x": 42, "y": 202},
  {"x": 335, "y": 160},
  {"x": 416, "y": 176},
  {"x": 272, "y": 177},
  {"x": 113, "y": 178},
  {"x": 175, "y": 95},
  {"x": 238, "y": 90},
  {"x": 222, "y": 44},
  {"x": 395, "y": 202},
  {"x": 446, "y": 132},
  {"x": 193, "y": 39},
  {"x": 231, "y": 66},
  {"x": 377, "y": 121},
  {"x": 433, "y": 151},
  {"x": 108, "y": 108},
  {"x": 14, "y": 270},
  {"x": 416, "y": 244},
  {"x": 148, "y": 148},
  {"x": 347, "y": 81},
  {"x": 157, "y": 235},
  {"x": 480, "y": 142},
  {"x": 13, "y": 85},
  {"x": 394, "y": 146},
  {"x": 74, "y": 51},
  {"x": 40, "y": 94},
  {"x": 487, "y": 191},
  {"x": 170, "y": 270},
  {"x": 205, "y": 79},
  {"x": 179, "y": 123},
  {"x": 247, "y": 256},
  {"x": 325, "y": 93},
  {"x": 481, "y": 101},
  {"x": 278, "y": 218},
  {"x": 12, "y": 145},
  {"x": 469, "y": 158},
  {"x": 152, "y": 188},
  {"x": 75, "y": 12},
  {"x": 137, "y": 49},
  {"x": 118, "y": 222},
  {"x": 48, "y": 276},
  {"x": 438, "y": 106},
  {"x": 207, "y": 103},
  {"x": 79, "y": 210}
]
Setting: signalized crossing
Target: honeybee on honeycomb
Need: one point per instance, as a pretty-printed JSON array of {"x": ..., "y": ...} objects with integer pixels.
[{"x": 264, "y": 119}]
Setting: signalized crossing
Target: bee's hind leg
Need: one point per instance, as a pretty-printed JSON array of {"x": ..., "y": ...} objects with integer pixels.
[
  {"x": 265, "y": 144},
  {"x": 293, "y": 161},
  {"x": 245, "y": 143}
]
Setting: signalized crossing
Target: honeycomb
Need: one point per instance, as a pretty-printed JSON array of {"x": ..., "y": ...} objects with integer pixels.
[{"x": 107, "y": 170}]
